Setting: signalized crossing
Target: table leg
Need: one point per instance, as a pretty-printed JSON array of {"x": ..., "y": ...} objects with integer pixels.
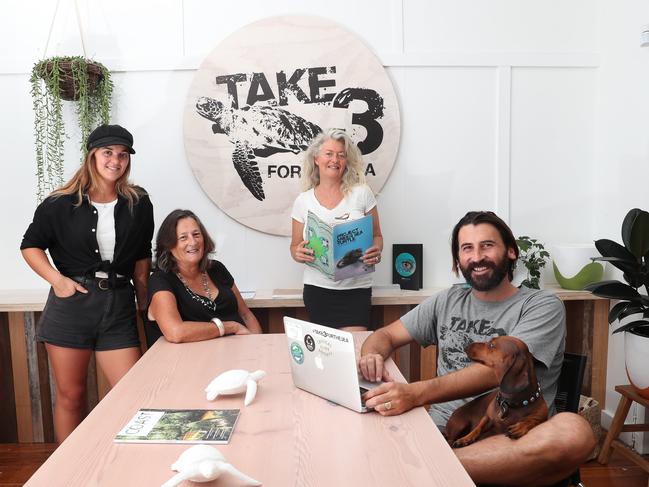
[{"x": 599, "y": 350}]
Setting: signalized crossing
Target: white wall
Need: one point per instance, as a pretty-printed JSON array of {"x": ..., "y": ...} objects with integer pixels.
[
  {"x": 621, "y": 149},
  {"x": 532, "y": 109}
]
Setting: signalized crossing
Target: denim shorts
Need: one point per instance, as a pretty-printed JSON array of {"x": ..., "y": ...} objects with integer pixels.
[{"x": 103, "y": 319}]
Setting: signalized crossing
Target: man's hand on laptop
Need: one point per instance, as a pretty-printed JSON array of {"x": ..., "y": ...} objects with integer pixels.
[
  {"x": 391, "y": 398},
  {"x": 372, "y": 368}
]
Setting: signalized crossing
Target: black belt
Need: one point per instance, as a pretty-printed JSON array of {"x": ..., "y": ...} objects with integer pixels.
[{"x": 102, "y": 283}]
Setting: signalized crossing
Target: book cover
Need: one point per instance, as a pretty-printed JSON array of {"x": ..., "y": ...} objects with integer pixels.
[
  {"x": 338, "y": 249},
  {"x": 180, "y": 426},
  {"x": 408, "y": 266}
]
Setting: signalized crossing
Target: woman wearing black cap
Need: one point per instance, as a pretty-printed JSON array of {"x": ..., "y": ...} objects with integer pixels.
[{"x": 97, "y": 229}]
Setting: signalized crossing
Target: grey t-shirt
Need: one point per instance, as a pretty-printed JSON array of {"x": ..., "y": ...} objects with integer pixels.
[{"x": 454, "y": 318}]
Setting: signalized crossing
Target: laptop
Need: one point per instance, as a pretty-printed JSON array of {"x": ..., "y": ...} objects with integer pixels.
[{"x": 323, "y": 362}]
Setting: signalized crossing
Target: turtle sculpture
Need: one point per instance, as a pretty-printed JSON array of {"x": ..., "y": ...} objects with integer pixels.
[
  {"x": 203, "y": 463},
  {"x": 257, "y": 131},
  {"x": 233, "y": 382}
]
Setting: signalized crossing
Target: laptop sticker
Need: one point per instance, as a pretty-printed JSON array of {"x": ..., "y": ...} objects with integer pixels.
[
  {"x": 324, "y": 347},
  {"x": 292, "y": 330},
  {"x": 309, "y": 342},
  {"x": 297, "y": 353}
]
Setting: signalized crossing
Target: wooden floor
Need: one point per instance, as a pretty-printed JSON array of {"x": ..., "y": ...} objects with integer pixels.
[{"x": 19, "y": 461}]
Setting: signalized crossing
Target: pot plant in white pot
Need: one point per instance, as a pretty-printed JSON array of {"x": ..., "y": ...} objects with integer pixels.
[{"x": 632, "y": 308}]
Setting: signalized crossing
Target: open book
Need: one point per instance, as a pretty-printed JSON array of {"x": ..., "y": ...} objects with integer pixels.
[
  {"x": 338, "y": 249},
  {"x": 179, "y": 426}
]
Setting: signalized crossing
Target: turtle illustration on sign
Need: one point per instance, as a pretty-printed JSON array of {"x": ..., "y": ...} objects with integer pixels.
[{"x": 257, "y": 131}]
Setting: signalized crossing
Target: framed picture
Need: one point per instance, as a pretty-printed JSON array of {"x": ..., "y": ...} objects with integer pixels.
[{"x": 408, "y": 265}]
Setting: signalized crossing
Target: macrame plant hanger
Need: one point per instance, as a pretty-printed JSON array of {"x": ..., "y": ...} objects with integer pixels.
[
  {"x": 79, "y": 27},
  {"x": 71, "y": 78}
]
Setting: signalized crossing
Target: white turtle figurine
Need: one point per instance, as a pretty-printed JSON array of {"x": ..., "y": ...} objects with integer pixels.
[
  {"x": 233, "y": 382},
  {"x": 202, "y": 463}
]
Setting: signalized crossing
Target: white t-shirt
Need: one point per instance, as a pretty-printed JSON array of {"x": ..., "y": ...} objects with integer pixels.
[
  {"x": 352, "y": 207},
  {"x": 105, "y": 229}
]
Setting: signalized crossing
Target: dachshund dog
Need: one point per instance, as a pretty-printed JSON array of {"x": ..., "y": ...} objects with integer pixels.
[{"x": 514, "y": 409}]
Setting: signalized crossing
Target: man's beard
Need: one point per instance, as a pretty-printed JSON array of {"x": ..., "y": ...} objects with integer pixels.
[{"x": 489, "y": 281}]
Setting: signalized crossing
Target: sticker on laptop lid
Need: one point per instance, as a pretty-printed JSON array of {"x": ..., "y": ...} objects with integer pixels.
[
  {"x": 292, "y": 330},
  {"x": 297, "y": 353},
  {"x": 309, "y": 342}
]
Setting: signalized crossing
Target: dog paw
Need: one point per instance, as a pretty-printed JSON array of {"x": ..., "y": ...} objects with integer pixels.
[
  {"x": 462, "y": 442},
  {"x": 517, "y": 430}
]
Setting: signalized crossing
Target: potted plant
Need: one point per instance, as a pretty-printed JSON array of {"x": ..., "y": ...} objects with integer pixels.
[
  {"x": 85, "y": 82},
  {"x": 632, "y": 309},
  {"x": 534, "y": 257}
]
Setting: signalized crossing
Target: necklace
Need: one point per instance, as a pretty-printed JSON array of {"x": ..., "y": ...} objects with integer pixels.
[{"x": 204, "y": 281}]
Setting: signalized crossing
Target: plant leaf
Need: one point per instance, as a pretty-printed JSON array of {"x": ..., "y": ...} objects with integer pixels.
[
  {"x": 523, "y": 245},
  {"x": 632, "y": 267},
  {"x": 616, "y": 310},
  {"x": 630, "y": 326},
  {"x": 613, "y": 290},
  {"x": 610, "y": 248},
  {"x": 635, "y": 232},
  {"x": 631, "y": 310}
]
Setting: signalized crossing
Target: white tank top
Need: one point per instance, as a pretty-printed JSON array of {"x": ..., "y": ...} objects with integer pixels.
[{"x": 105, "y": 230}]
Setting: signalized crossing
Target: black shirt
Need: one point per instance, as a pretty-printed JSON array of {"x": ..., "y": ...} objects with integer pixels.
[
  {"x": 194, "y": 307},
  {"x": 69, "y": 233}
]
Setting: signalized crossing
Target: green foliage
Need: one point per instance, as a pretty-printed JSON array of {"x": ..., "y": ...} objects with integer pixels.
[
  {"x": 49, "y": 80},
  {"x": 534, "y": 257},
  {"x": 632, "y": 259}
]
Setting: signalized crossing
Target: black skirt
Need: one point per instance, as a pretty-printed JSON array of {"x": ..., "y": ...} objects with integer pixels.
[{"x": 338, "y": 308}]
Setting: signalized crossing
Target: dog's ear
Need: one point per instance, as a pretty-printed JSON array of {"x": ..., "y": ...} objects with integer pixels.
[{"x": 517, "y": 377}]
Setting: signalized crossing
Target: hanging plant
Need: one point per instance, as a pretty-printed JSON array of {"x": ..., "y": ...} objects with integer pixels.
[{"x": 73, "y": 78}]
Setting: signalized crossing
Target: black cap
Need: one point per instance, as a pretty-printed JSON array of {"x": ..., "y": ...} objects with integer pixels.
[{"x": 105, "y": 135}]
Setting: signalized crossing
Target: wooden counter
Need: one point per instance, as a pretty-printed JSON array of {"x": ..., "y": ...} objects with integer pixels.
[{"x": 26, "y": 389}]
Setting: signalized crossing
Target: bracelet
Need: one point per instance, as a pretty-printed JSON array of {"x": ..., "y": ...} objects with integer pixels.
[{"x": 219, "y": 325}]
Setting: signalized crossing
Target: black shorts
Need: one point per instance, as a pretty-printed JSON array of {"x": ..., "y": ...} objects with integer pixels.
[
  {"x": 338, "y": 308},
  {"x": 100, "y": 320}
]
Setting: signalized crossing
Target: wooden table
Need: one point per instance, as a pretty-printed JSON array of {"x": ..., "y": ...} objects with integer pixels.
[
  {"x": 25, "y": 377},
  {"x": 286, "y": 437}
]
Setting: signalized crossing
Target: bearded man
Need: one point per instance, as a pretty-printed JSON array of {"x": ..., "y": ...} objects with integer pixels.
[{"x": 485, "y": 251}]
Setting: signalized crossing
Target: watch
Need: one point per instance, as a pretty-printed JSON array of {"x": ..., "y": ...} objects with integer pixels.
[{"x": 219, "y": 325}]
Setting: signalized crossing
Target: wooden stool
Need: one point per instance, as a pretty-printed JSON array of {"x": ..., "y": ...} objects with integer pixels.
[{"x": 629, "y": 395}]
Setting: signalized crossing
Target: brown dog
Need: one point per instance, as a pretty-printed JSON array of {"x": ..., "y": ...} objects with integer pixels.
[{"x": 514, "y": 409}]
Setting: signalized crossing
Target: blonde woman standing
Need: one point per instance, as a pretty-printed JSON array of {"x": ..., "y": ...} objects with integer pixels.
[
  {"x": 97, "y": 229},
  {"x": 336, "y": 192}
]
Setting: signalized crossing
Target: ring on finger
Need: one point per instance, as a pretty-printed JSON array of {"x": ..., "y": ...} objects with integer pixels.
[{"x": 387, "y": 405}]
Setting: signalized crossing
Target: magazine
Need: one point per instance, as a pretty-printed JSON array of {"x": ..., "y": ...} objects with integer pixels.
[
  {"x": 338, "y": 249},
  {"x": 180, "y": 426}
]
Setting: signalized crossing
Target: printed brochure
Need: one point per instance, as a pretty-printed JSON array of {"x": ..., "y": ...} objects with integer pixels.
[
  {"x": 180, "y": 426},
  {"x": 338, "y": 249}
]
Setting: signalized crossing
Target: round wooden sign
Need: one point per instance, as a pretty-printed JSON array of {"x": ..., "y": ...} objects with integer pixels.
[{"x": 261, "y": 96}]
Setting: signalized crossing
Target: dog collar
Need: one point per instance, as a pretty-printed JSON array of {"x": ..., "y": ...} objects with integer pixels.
[{"x": 506, "y": 404}]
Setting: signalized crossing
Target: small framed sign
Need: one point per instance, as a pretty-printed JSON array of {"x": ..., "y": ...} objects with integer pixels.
[{"x": 408, "y": 265}]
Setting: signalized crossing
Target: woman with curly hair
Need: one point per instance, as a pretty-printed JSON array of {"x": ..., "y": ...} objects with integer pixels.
[{"x": 335, "y": 191}]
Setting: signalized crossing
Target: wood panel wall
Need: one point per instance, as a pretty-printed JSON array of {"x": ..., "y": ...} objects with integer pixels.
[{"x": 27, "y": 387}]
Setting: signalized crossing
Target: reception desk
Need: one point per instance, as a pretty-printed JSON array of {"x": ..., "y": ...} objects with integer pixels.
[{"x": 26, "y": 389}]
